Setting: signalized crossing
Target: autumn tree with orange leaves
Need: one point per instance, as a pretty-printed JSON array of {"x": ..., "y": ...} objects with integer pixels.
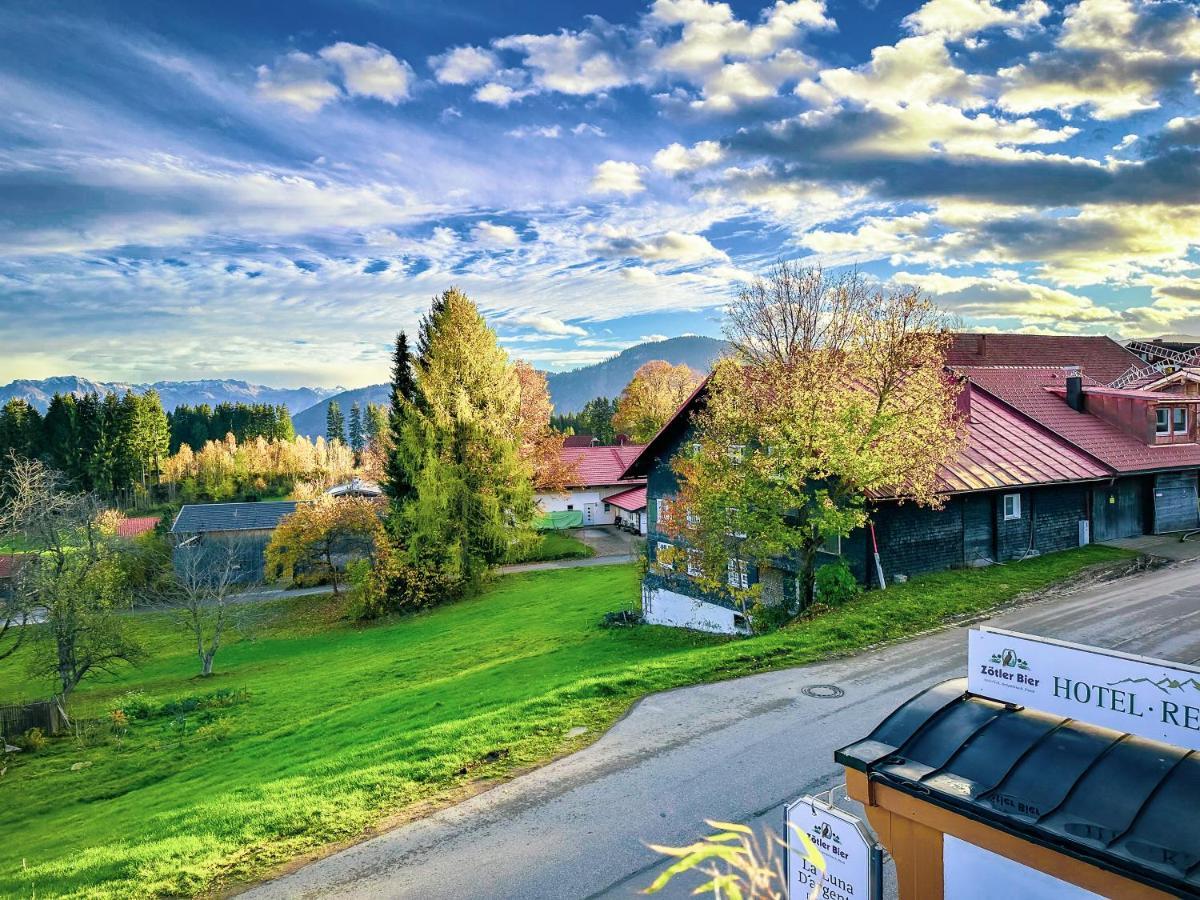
[
  {"x": 651, "y": 398},
  {"x": 321, "y": 535},
  {"x": 836, "y": 392},
  {"x": 541, "y": 446}
]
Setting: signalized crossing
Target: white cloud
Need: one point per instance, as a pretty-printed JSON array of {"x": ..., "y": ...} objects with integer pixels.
[
  {"x": 494, "y": 235},
  {"x": 568, "y": 62},
  {"x": 673, "y": 246},
  {"x": 545, "y": 324},
  {"x": 464, "y": 65},
  {"x": 499, "y": 94},
  {"x": 536, "y": 131},
  {"x": 587, "y": 128},
  {"x": 307, "y": 82},
  {"x": 299, "y": 80},
  {"x": 677, "y": 158},
  {"x": 370, "y": 71},
  {"x": 1003, "y": 295},
  {"x": 614, "y": 177},
  {"x": 959, "y": 19}
]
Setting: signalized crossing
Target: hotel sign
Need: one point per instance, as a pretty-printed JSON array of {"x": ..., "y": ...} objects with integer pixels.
[{"x": 1148, "y": 697}]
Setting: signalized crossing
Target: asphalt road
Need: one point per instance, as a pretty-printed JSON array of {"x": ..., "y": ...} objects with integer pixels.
[{"x": 735, "y": 751}]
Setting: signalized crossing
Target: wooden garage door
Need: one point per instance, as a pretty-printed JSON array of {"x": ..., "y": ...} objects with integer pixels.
[
  {"x": 1174, "y": 502},
  {"x": 1117, "y": 510}
]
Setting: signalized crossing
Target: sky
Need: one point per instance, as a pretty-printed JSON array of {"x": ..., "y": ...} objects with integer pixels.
[{"x": 270, "y": 190}]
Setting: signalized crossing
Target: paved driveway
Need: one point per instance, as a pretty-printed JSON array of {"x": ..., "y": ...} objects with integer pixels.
[
  {"x": 608, "y": 540},
  {"x": 734, "y": 751}
]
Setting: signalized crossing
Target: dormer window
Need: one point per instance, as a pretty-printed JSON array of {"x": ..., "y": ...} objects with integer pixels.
[
  {"x": 1171, "y": 420},
  {"x": 1162, "y": 425},
  {"x": 1179, "y": 420}
]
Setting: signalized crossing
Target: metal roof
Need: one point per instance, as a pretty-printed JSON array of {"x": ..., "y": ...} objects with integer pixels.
[
  {"x": 1099, "y": 357},
  {"x": 1114, "y": 800},
  {"x": 199, "y": 518},
  {"x": 631, "y": 500},
  {"x": 597, "y": 466}
]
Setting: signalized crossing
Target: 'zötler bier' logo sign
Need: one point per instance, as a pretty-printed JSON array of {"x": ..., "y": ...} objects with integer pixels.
[{"x": 1148, "y": 697}]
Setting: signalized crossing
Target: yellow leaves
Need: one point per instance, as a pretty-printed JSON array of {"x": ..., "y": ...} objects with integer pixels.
[
  {"x": 652, "y": 397},
  {"x": 737, "y": 864}
]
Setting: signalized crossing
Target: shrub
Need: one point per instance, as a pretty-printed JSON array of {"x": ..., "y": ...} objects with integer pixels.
[
  {"x": 765, "y": 617},
  {"x": 626, "y": 618},
  {"x": 836, "y": 584},
  {"x": 397, "y": 586},
  {"x": 217, "y": 730},
  {"x": 135, "y": 705},
  {"x": 32, "y": 740}
]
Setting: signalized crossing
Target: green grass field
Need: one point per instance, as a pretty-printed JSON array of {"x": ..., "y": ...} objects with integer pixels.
[
  {"x": 345, "y": 725},
  {"x": 553, "y": 545}
]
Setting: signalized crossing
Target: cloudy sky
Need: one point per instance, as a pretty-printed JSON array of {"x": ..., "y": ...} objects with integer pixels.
[{"x": 269, "y": 191}]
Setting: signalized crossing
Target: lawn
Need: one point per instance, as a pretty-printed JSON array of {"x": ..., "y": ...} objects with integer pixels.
[
  {"x": 344, "y": 725},
  {"x": 553, "y": 545}
]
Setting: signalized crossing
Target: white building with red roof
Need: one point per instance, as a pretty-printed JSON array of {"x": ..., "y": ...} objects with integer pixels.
[{"x": 599, "y": 493}]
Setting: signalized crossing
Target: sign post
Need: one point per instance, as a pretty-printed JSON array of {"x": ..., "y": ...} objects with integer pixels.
[
  {"x": 853, "y": 861},
  {"x": 1151, "y": 698}
]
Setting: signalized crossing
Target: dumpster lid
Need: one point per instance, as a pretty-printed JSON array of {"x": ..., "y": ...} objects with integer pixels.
[{"x": 1118, "y": 801}]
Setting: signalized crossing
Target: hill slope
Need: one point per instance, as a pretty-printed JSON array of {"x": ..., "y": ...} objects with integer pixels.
[
  {"x": 311, "y": 422},
  {"x": 569, "y": 391},
  {"x": 174, "y": 393}
]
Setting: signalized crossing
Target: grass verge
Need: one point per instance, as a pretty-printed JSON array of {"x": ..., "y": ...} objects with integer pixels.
[
  {"x": 552, "y": 545},
  {"x": 337, "y": 726}
]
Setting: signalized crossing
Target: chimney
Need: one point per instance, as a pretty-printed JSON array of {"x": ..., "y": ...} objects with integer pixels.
[
  {"x": 963, "y": 401},
  {"x": 1074, "y": 388}
]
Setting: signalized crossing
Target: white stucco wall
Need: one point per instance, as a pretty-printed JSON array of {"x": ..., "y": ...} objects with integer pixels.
[
  {"x": 588, "y": 501},
  {"x": 663, "y": 607}
]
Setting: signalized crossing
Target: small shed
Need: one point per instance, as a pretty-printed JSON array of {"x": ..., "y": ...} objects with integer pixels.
[
  {"x": 356, "y": 487},
  {"x": 976, "y": 798},
  {"x": 246, "y": 526},
  {"x": 632, "y": 506}
]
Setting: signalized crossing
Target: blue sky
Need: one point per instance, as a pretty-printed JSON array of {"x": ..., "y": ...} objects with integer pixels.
[{"x": 269, "y": 191}]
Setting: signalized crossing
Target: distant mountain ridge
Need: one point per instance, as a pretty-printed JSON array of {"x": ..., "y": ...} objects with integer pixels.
[
  {"x": 569, "y": 391},
  {"x": 173, "y": 393}
]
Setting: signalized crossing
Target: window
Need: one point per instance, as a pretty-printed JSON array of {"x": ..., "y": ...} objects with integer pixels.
[
  {"x": 693, "y": 564},
  {"x": 606, "y": 509},
  {"x": 738, "y": 573},
  {"x": 731, "y": 527},
  {"x": 1012, "y": 506},
  {"x": 570, "y": 506},
  {"x": 660, "y": 548},
  {"x": 1162, "y": 423},
  {"x": 832, "y": 545},
  {"x": 695, "y": 448},
  {"x": 664, "y": 509},
  {"x": 1179, "y": 419},
  {"x": 693, "y": 519},
  {"x": 737, "y": 452}
]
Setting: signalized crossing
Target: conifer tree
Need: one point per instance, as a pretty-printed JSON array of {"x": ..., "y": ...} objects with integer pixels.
[
  {"x": 357, "y": 438},
  {"x": 396, "y": 472},
  {"x": 335, "y": 423},
  {"x": 459, "y": 449}
]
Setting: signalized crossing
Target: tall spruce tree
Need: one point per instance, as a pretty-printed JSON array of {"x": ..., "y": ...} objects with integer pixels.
[
  {"x": 357, "y": 437},
  {"x": 397, "y": 483},
  {"x": 459, "y": 449},
  {"x": 335, "y": 423}
]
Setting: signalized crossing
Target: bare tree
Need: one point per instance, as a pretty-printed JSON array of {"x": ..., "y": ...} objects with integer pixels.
[
  {"x": 202, "y": 594},
  {"x": 14, "y": 616},
  {"x": 72, "y": 575}
]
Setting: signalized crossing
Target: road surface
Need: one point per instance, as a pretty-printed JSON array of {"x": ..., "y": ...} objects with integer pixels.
[{"x": 734, "y": 751}]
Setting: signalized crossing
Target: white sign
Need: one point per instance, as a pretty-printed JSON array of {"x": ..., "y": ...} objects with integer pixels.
[
  {"x": 1147, "y": 697},
  {"x": 972, "y": 873},
  {"x": 850, "y": 870}
]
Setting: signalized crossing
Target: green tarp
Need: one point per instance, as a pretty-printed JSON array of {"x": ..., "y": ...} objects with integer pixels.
[{"x": 563, "y": 518}]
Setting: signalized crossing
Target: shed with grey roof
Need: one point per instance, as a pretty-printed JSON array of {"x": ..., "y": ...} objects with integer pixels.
[{"x": 246, "y": 526}]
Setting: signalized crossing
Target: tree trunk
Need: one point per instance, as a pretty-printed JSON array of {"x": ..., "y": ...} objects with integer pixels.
[
  {"x": 333, "y": 574},
  {"x": 206, "y": 664},
  {"x": 808, "y": 578}
]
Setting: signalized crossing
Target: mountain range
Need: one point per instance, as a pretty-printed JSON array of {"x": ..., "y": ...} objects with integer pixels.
[
  {"x": 569, "y": 391},
  {"x": 173, "y": 393}
]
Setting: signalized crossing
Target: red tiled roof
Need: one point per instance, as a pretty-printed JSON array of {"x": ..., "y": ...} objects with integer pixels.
[
  {"x": 130, "y": 528},
  {"x": 1101, "y": 358},
  {"x": 600, "y": 465},
  {"x": 631, "y": 500},
  {"x": 1006, "y": 449},
  {"x": 1038, "y": 392},
  {"x": 9, "y": 563}
]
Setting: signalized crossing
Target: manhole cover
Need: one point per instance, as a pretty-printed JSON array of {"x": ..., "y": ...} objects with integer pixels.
[{"x": 823, "y": 691}]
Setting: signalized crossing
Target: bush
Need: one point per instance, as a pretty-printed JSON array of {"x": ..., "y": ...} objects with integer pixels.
[
  {"x": 836, "y": 584},
  {"x": 218, "y": 730},
  {"x": 626, "y": 618},
  {"x": 135, "y": 705},
  {"x": 765, "y": 617},
  {"x": 394, "y": 585},
  {"x": 32, "y": 740}
]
